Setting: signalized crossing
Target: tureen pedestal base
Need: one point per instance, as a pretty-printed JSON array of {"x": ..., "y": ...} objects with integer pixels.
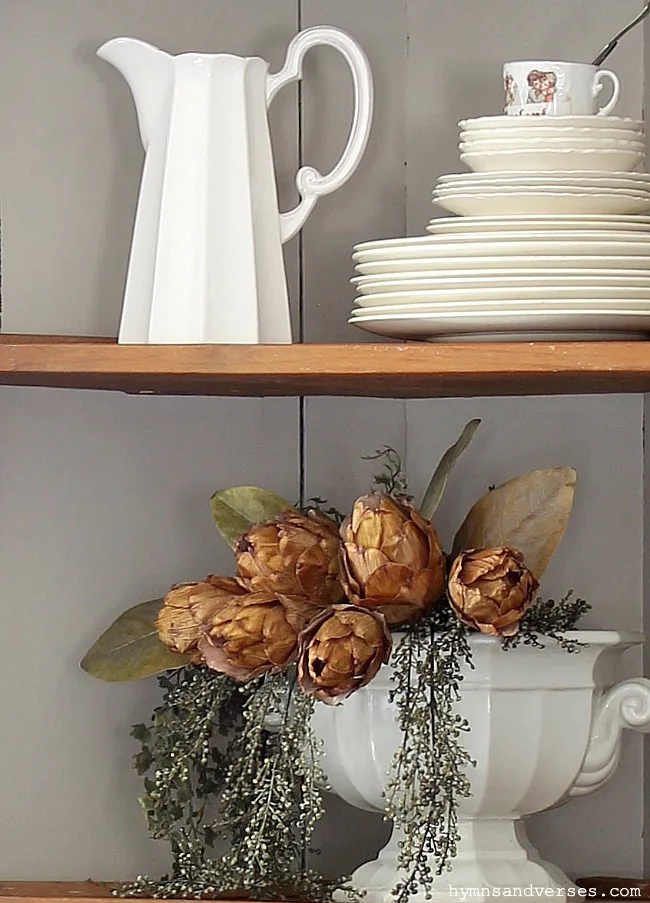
[
  {"x": 544, "y": 726},
  {"x": 495, "y": 858}
]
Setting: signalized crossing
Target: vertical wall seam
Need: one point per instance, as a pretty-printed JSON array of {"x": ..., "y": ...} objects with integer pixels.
[
  {"x": 405, "y": 93},
  {"x": 645, "y": 520},
  {"x": 302, "y": 426}
]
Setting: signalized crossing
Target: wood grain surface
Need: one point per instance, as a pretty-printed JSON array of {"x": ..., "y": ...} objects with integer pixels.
[{"x": 376, "y": 370}]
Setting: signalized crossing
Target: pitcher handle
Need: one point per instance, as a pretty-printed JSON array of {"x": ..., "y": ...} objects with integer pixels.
[
  {"x": 625, "y": 705},
  {"x": 311, "y": 184}
]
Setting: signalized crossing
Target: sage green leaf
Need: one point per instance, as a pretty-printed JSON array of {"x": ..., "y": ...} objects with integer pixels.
[
  {"x": 236, "y": 509},
  {"x": 436, "y": 488},
  {"x": 131, "y": 649},
  {"x": 529, "y": 513}
]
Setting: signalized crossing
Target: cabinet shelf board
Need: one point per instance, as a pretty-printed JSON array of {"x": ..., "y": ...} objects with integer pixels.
[{"x": 411, "y": 370}]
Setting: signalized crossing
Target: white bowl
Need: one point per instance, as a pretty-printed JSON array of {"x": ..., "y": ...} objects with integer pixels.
[
  {"x": 539, "y": 122},
  {"x": 569, "y": 133},
  {"x": 567, "y": 160}
]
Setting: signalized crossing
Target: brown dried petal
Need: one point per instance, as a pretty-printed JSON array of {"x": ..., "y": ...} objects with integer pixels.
[
  {"x": 177, "y": 624},
  {"x": 295, "y": 555},
  {"x": 391, "y": 559},
  {"x": 491, "y": 590},
  {"x": 341, "y": 651},
  {"x": 256, "y": 633}
]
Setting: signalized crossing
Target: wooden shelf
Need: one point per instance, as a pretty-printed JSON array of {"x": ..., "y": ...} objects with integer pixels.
[
  {"x": 381, "y": 370},
  {"x": 64, "y": 892},
  {"x": 59, "y": 892}
]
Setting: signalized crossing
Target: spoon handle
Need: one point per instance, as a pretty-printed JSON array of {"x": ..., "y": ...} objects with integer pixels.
[{"x": 607, "y": 49}]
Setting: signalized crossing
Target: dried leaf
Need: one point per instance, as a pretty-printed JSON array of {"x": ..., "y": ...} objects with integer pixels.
[
  {"x": 436, "y": 487},
  {"x": 131, "y": 649},
  {"x": 529, "y": 513},
  {"x": 236, "y": 509}
]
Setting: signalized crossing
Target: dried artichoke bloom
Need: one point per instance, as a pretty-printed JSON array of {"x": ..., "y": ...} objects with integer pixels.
[
  {"x": 254, "y": 634},
  {"x": 177, "y": 623},
  {"x": 491, "y": 590},
  {"x": 341, "y": 651},
  {"x": 391, "y": 559},
  {"x": 295, "y": 555}
]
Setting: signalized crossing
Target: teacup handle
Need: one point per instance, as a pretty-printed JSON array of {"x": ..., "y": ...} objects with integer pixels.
[
  {"x": 616, "y": 84},
  {"x": 311, "y": 184}
]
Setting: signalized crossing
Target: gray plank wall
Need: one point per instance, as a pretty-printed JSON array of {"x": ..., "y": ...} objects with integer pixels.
[{"x": 105, "y": 496}]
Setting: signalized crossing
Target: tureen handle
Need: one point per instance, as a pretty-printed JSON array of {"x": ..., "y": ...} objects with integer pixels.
[{"x": 625, "y": 705}]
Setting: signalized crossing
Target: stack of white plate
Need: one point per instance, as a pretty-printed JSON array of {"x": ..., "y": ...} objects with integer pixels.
[
  {"x": 584, "y": 143},
  {"x": 509, "y": 278},
  {"x": 551, "y": 242},
  {"x": 512, "y": 193},
  {"x": 534, "y": 164}
]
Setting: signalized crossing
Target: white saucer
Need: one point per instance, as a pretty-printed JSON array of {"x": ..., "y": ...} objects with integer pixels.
[{"x": 535, "y": 122}]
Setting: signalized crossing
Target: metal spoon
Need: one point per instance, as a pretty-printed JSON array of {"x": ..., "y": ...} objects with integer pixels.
[{"x": 607, "y": 49}]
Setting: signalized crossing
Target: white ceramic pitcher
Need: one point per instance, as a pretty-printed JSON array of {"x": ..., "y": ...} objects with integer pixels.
[{"x": 206, "y": 257}]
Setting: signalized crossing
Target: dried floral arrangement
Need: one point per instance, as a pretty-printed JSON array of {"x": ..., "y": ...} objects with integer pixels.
[{"x": 319, "y": 602}]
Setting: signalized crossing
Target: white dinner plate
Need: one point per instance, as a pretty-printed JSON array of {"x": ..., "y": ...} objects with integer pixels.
[
  {"x": 498, "y": 269},
  {"x": 431, "y": 242},
  {"x": 590, "y": 305},
  {"x": 536, "y": 122},
  {"x": 523, "y": 234},
  {"x": 513, "y": 203},
  {"x": 395, "y": 289},
  {"x": 536, "y": 262},
  {"x": 568, "y": 160},
  {"x": 404, "y": 282},
  {"x": 502, "y": 249},
  {"x": 460, "y": 224},
  {"x": 580, "y": 293},
  {"x": 416, "y": 325}
]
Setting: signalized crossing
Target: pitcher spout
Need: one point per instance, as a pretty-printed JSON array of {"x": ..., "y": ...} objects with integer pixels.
[{"x": 148, "y": 72}]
